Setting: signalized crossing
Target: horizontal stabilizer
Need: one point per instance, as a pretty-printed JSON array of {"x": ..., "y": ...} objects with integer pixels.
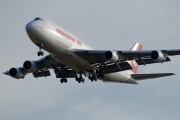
[{"x": 150, "y": 76}]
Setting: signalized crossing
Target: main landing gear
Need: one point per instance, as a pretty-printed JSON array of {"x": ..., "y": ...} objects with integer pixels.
[
  {"x": 92, "y": 78},
  {"x": 100, "y": 74},
  {"x": 80, "y": 78},
  {"x": 40, "y": 53},
  {"x": 63, "y": 80}
]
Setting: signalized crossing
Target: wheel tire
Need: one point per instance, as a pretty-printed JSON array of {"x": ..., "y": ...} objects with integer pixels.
[
  {"x": 79, "y": 81},
  {"x": 76, "y": 78},
  {"x": 83, "y": 80},
  {"x": 94, "y": 78},
  {"x": 38, "y": 53},
  {"x": 65, "y": 80},
  {"x": 61, "y": 80},
  {"x": 42, "y": 53},
  {"x": 89, "y": 77}
]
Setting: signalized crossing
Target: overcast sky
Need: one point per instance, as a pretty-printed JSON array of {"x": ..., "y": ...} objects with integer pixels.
[{"x": 112, "y": 25}]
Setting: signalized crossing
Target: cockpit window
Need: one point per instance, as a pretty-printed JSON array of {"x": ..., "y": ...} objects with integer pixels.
[{"x": 38, "y": 18}]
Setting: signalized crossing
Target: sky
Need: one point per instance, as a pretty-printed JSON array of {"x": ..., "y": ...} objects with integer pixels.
[{"x": 104, "y": 25}]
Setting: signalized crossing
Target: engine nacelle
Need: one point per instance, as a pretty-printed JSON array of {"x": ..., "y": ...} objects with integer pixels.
[
  {"x": 30, "y": 66},
  {"x": 158, "y": 56},
  {"x": 111, "y": 56},
  {"x": 16, "y": 73}
]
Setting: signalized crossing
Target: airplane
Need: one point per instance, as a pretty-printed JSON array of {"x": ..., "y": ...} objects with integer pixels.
[{"x": 71, "y": 58}]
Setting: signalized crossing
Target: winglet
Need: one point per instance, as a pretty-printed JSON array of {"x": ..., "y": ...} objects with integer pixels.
[{"x": 137, "y": 46}]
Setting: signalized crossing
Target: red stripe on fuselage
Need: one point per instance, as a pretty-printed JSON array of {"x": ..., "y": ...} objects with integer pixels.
[{"x": 69, "y": 37}]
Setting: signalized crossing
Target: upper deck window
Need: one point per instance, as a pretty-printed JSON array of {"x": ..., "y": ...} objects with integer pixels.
[{"x": 38, "y": 18}]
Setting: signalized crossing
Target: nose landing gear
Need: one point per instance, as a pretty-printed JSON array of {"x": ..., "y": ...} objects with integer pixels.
[{"x": 40, "y": 53}]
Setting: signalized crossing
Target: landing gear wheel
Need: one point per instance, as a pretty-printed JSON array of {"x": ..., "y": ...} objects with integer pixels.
[
  {"x": 95, "y": 79},
  {"x": 65, "y": 80},
  {"x": 80, "y": 78},
  {"x": 61, "y": 80},
  {"x": 79, "y": 81},
  {"x": 38, "y": 53},
  {"x": 76, "y": 78},
  {"x": 42, "y": 53},
  {"x": 83, "y": 80}
]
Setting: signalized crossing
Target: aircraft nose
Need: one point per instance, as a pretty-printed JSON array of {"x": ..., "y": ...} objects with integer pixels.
[
  {"x": 34, "y": 32},
  {"x": 29, "y": 27}
]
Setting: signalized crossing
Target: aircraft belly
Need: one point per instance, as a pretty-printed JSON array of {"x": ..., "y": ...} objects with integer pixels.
[{"x": 75, "y": 63}]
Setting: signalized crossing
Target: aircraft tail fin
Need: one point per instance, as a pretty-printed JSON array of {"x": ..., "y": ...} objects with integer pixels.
[{"x": 137, "y": 46}]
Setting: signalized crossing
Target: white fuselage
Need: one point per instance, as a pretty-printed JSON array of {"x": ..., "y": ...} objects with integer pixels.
[{"x": 61, "y": 44}]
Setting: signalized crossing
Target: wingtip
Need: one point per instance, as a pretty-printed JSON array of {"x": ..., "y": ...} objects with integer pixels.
[{"x": 6, "y": 73}]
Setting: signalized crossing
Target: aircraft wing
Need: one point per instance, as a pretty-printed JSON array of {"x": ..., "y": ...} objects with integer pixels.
[
  {"x": 150, "y": 76},
  {"x": 40, "y": 68},
  {"x": 142, "y": 57}
]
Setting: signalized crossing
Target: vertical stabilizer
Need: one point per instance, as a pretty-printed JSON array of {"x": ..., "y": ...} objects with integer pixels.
[{"x": 133, "y": 63}]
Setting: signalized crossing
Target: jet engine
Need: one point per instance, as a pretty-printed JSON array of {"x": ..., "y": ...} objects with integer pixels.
[
  {"x": 158, "y": 56},
  {"x": 30, "y": 66},
  {"x": 16, "y": 73},
  {"x": 111, "y": 56}
]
